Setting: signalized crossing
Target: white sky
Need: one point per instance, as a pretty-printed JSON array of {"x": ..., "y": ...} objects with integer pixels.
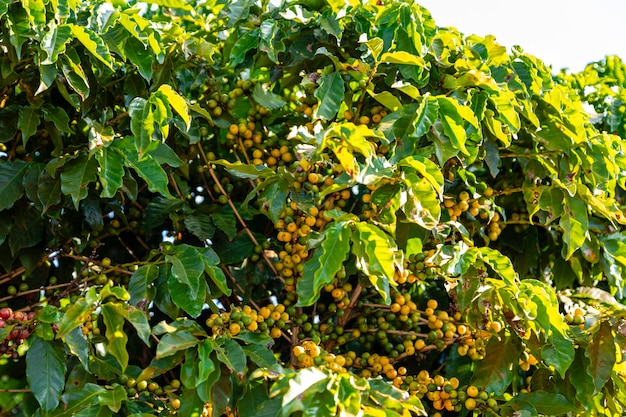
[{"x": 562, "y": 33}]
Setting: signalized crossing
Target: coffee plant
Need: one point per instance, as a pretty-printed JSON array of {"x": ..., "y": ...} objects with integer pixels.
[{"x": 303, "y": 208}]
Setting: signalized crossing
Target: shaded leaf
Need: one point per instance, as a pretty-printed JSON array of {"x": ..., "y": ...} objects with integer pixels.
[
  {"x": 330, "y": 94},
  {"x": 450, "y": 116},
  {"x": 495, "y": 372},
  {"x": 171, "y": 343},
  {"x": 74, "y": 316},
  {"x": 111, "y": 171},
  {"x": 113, "y": 398},
  {"x": 45, "y": 371},
  {"x": 11, "y": 184},
  {"x": 28, "y": 121},
  {"x": 602, "y": 355},
  {"x": 231, "y": 354},
  {"x": 326, "y": 261},
  {"x": 187, "y": 267},
  {"x": 113, "y": 316},
  {"x": 76, "y": 175}
]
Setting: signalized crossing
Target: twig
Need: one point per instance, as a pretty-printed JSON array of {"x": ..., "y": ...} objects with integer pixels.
[{"x": 241, "y": 221}]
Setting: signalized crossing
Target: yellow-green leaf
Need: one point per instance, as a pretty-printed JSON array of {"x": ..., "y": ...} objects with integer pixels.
[{"x": 178, "y": 103}]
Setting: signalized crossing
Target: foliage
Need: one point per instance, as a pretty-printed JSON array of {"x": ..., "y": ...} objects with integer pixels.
[{"x": 303, "y": 208}]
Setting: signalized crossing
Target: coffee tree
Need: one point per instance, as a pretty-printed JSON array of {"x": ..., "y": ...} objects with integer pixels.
[{"x": 303, "y": 208}]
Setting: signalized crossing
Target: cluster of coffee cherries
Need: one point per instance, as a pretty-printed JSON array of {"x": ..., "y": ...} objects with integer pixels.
[
  {"x": 149, "y": 388},
  {"x": 19, "y": 325},
  {"x": 446, "y": 395},
  {"x": 271, "y": 319},
  {"x": 309, "y": 353}
]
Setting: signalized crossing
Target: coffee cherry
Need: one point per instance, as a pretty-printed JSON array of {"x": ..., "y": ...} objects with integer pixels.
[{"x": 6, "y": 313}]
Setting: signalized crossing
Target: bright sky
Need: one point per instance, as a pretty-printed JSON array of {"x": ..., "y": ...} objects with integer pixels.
[{"x": 562, "y": 33}]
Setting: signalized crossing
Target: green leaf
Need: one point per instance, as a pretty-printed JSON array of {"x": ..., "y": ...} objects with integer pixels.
[
  {"x": 200, "y": 225},
  {"x": 206, "y": 366},
  {"x": 140, "y": 285},
  {"x": 300, "y": 385},
  {"x": 171, "y": 343},
  {"x": 27, "y": 230},
  {"x": 495, "y": 372},
  {"x": 158, "y": 211},
  {"x": 191, "y": 403},
  {"x": 425, "y": 116},
  {"x": 386, "y": 99},
  {"x": 20, "y": 29},
  {"x": 330, "y": 94},
  {"x": 260, "y": 354},
  {"x": 165, "y": 155},
  {"x": 182, "y": 296},
  {"x": 270, "y": 39},
  {"x": 45, "y": 371},
  {"x": 151, "y": 172},
  {"x": 504, "y": 101},
  {"x": 602, "y": 355},
  {"x": 423, "y": 205},
  {"x": 54, "y": 42},
  {"x": 28, "y": 121},
  {"x": 247, "y": 42},
  {"x": 76, "y": 176},
  {"x": 217, "y": 276},
  {"x": 111, "y": 171},
  {"x": 326, "y": 261},
  {"x": 558, "y": 352},
  {"x": 543, "y": 402},
  {"x": 74, "y": 316},
  {"x": 74, "y": 75},
  {"x": 495, "y": 128},
  {"x": 450, "y": 116},
  {"x": 141, "y": 123},
  {"x": 58, "y": 116},
  {"x": 79, "y": 399},
  {"x": 31, "y": 182},
  {"x": 427, "y": 169},
  {"x": 231, "y": 354},
  {"x": 161, "y": 366},
  {"x": 262, "y": 95},
  {"x": 178, "y": 103},
  {"x": 245, "y": 171},
  {"x": 141, "y": 56},
  {"x": 139, "y": 320},
  {"x": 375, "y": 45},
  {"x": 36, "y": 12},
  {"x": 581, "y": 380},
  {"x": 273, "y": 196},
  {"x": 177, "y": 4},
  {"x": 574, "y": 222},
  {"x": 402, "y": 57},
  {"x": 226, "y": 221},
  {"x": 346, "y": 138},
  {"x": 187, "y": 267},
  {"x": 79, "y": 346},
  {"x": 113, "y": 398},
  {"x": 113, "y": 315},
  {"x": 93, "y": 43},
  {"x": 375, "y": 252},
  {"x": 501, "y": 264},
  {"x": 11, "y": 184}
]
